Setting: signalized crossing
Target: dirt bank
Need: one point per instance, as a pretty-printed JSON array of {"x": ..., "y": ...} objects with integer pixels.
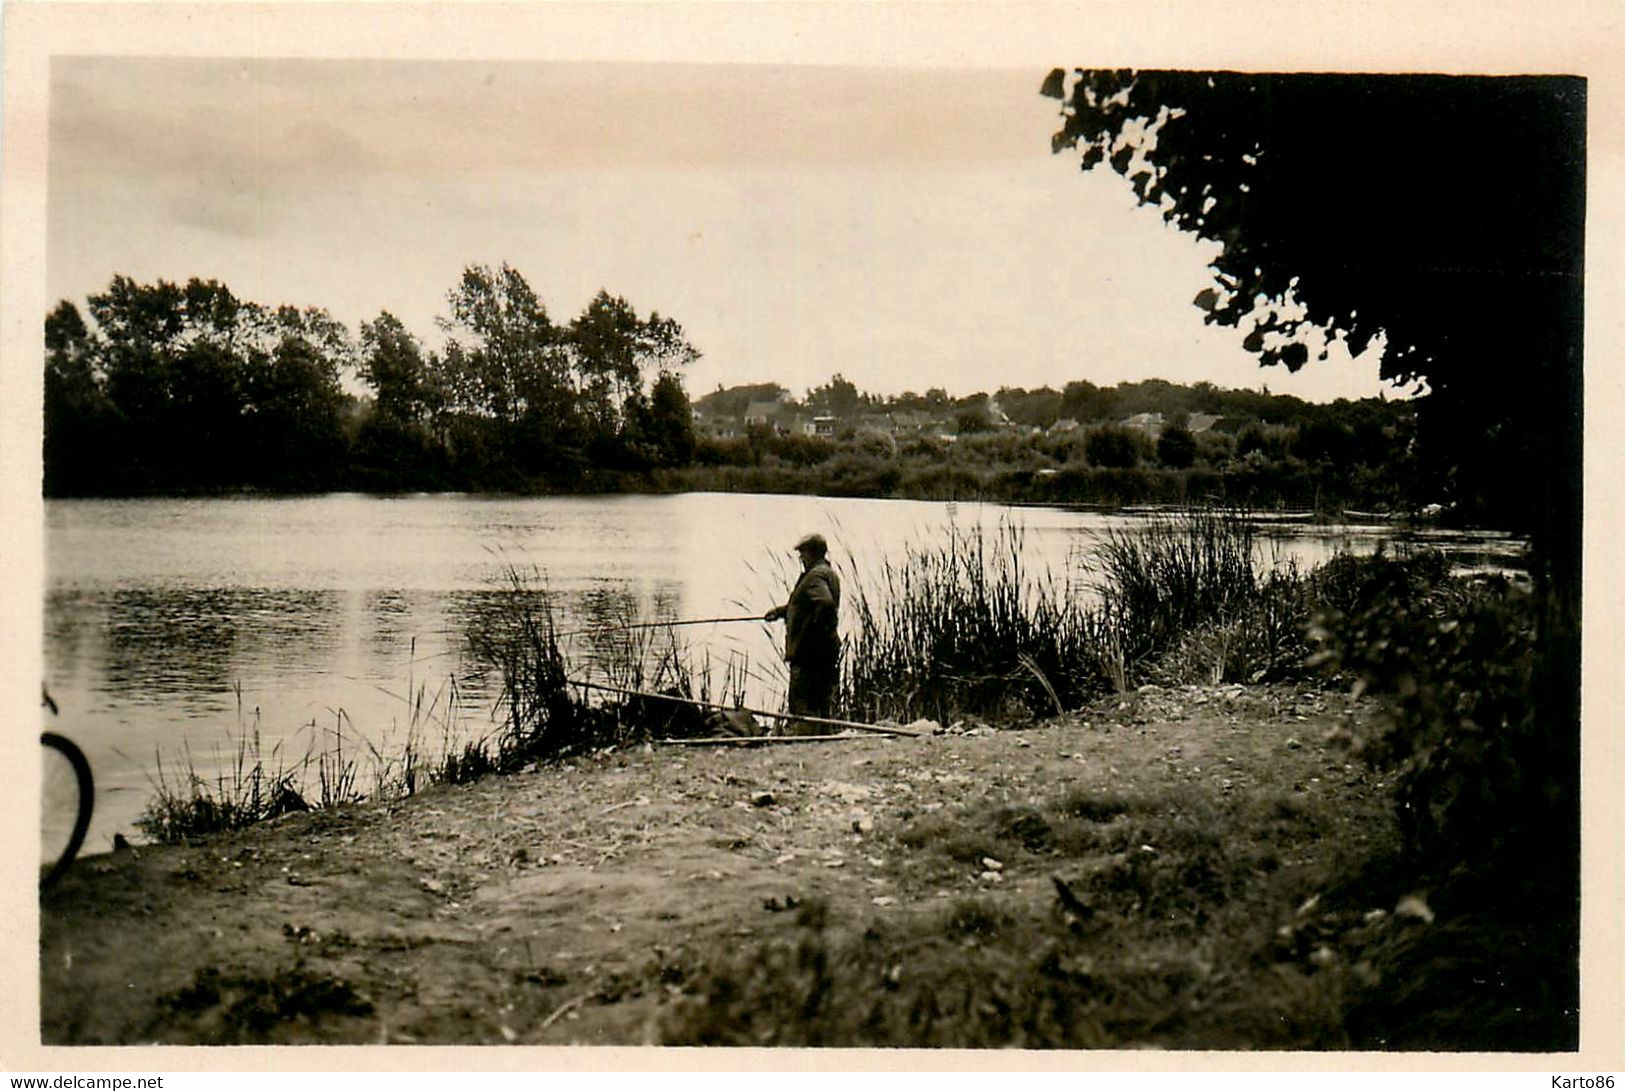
[{"x": 592, "y": 902}]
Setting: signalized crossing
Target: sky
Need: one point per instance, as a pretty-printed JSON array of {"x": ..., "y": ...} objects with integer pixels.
[{"x": 907, "y": 228}]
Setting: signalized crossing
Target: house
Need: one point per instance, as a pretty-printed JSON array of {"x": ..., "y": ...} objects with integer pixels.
[
  {"x": 795, "y": 424},
  {"x": 1149, "y": 423},
  {"x": 824, "y": 426},
  {"x": 1201, "y": 422},
  {"x": 911, "y": 420},
  {"x": 762, "y": 412}
]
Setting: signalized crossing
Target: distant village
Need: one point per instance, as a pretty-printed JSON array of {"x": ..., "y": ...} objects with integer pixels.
[{"x": 836, "y": 411}]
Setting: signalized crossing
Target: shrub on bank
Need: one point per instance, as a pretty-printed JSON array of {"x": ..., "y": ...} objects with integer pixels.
[
  {"x": 1455, "y": 661},
  {"x": 1483, "y": 758}
]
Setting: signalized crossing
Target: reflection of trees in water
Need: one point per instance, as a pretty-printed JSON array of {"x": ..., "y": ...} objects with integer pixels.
[
  {"x": 605, "y": 612},
  {"x": 592, "y": 623},
  {"x": 396, "y": 620},
  {"x": 67, "y": 629},
  {"x": 196, "y": 641},
  {"x": 386, "y": 610}
]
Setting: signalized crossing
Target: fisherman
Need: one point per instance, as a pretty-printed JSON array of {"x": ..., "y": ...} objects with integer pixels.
[{"x": 812, "y": 644}]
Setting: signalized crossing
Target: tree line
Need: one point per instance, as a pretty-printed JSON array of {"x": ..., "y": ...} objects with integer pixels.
[{"x": 171, "y": 388}]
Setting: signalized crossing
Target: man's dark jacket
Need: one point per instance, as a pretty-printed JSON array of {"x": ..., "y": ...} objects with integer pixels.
[{"x": 810, "y": 634}]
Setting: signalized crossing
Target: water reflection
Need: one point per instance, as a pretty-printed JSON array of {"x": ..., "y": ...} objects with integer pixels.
[
  {"x": 606, "y": 630},
  {"x": 156, "y": 644}
]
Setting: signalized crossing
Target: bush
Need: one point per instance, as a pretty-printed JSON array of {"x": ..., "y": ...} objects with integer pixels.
[
  {"x": 1112, "y": 448},
  {"x": 1482, "y": 746},
  {"x": 802, "y": 450},
  {"x": 1474, "y": 776},
  {"x": 1176, "y": 448}
]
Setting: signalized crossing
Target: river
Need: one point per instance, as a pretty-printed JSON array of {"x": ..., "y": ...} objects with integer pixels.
[{"x": 177, "y": 629}]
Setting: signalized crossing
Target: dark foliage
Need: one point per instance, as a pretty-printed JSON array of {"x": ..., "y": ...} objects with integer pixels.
[
  {"x": 1176, "y": 448},
  {"x": 1484, "y": 783},
  {"x": 181, "y": 389},
  {"x": 1112, "y": 448},
  {"x": 1444, "y": 214}
]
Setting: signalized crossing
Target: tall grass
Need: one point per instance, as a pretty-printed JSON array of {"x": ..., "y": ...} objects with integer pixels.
[
  {"x": 962, "y": 626},
  {"x": 251, "y": 786},
  {"x": 540, "y": 715},
  {"x": 1160, "y": 579},
  {"x": 544, "y": 715}
]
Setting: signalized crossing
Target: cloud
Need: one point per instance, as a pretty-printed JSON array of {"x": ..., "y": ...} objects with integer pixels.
[{"x": 309, "y": 117}]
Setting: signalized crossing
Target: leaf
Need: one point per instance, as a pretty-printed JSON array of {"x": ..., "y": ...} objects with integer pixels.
[
  {"x": 1054, "y": 85},
  {"x": 1207, "y": 299}
]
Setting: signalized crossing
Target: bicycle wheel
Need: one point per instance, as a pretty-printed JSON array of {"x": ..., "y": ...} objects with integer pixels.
[{"x": 65, "y": 805}]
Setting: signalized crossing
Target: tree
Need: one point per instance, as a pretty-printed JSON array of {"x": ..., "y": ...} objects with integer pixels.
[
  {"x": 971, "y": 419},
  {"x": 139, "y": 324},
  {"x": 293, "y": 416},
  {"x": 392, "y": 363},
  {"x": 1111, "y": 448},
  {"x": 504, "y": 355},
  {"x": 1036, "y": 408},
  {"x": 78, "y": 418},
  {"x": 837, "y": 398},
  {"x": 1324, "y": 441},
  {"x": 612, "y": 348},
  {"x": 1083, "y": 401},
  {"x": 1176, "y": 448},
  {"x": 671, "y": 421},
  {"x": 1445, "y": 216},
  {"x": 1442, "y": 214},
  {"x": 605, "y": 344}
]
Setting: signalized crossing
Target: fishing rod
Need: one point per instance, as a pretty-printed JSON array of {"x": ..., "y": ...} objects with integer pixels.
[
  {"x": 657, "y": 625},
  {"x": 826, "y": 720}
]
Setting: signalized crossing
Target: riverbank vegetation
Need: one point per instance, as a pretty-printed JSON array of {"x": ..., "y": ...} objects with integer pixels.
[{"x": 187, "y": 389}]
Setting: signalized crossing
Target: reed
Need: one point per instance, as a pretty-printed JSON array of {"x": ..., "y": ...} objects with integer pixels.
[
  {"x": 538, "y": 714},
  {"x": 252, "y": 786},
  {"x": 964, "y": 627},
  {"x": 1161, "y": 579}
]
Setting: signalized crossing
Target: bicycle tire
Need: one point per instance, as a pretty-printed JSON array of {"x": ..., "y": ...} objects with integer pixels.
[{"x": 81, "y": 820}]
